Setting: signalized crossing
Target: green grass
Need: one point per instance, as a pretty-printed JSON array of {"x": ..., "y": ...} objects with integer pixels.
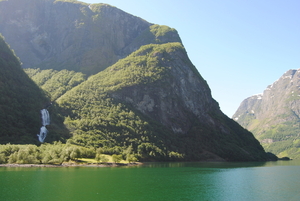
[{"x": 92, "y": 160}]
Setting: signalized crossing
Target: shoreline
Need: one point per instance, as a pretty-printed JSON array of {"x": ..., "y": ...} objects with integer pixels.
[{"x": 71, "y": 165}]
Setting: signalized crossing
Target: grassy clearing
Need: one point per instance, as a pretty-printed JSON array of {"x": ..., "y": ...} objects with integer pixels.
[{"x": 91, "y": 160}]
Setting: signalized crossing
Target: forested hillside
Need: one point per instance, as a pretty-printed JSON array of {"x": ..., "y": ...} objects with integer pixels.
[
  {"x": 20, "y": 103},
  {"x": 56, "y": 83}
]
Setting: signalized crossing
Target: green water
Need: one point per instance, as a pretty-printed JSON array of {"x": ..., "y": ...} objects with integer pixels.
[{"x": 155, "y": 181}]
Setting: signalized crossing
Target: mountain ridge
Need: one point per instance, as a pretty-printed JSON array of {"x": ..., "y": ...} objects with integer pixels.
[{"x": 273, "y": 116}]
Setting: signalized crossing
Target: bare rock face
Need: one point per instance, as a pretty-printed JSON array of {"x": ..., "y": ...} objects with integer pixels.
[
  {"x": 175, "y": 98},
  {"x": 273, "y": 116},
  {"x": 76, "y": 36}
]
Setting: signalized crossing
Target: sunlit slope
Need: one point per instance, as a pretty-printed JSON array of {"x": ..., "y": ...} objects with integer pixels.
[
  {"x": 155, "y": 101},
  {"x": 54, "y": 82}
]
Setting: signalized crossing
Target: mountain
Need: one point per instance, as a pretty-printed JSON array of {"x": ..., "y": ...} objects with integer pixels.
[
  {"x": 122, "y": 84},
  {"x": 20, "y": 103},
  {"x": 274, "y": 116},
  {"x": 87, "y": 38},
  {"x": 156, "y": 102}
]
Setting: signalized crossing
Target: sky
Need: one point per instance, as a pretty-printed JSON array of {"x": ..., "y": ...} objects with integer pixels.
[{"x": 238, "y": 46}]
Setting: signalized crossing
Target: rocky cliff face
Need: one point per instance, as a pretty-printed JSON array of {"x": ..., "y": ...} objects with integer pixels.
[
  {"x": 52, "y": 34},
  {"x": 181, "y": 93},
  {"x": 273, "y": 116}
]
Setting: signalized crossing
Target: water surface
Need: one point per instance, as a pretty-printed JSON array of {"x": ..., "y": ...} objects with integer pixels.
[{"x": 154, "y": 181}]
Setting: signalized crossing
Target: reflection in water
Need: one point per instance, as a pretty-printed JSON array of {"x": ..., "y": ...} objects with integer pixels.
[
  {"x": 155, "y": 181},
  {"x": 207, "y": 164}
]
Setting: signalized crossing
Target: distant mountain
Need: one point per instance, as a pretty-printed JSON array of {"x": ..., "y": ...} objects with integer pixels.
[
  {"x": 274, "y": 116},
  {"x": 87, "y": 38},
  {"x": 141, "y": 95},
  {"x": 20, "y": 103}
]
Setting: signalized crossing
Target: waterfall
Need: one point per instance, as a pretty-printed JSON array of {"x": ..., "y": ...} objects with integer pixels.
[
  {"x": 43, "y": 134},
  {"x": 45, "y": 121},
  {"x": 45, "y": 117}
]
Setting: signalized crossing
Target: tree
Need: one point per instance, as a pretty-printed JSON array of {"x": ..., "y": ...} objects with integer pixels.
[
  {"x": 2, "y": 159},
  {"x": 75, "y": 153},
  {"x": 116, "y": 158},
  {"x": 131, "y": 158},
  {"x": 101, "y": 158}
]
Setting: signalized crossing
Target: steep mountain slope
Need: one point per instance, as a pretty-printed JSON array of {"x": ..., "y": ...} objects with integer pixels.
[
  {"x": 57, "y": 34},
  {"x": 156, "y": 102},
  {"x": 20, "y": 103},
  {"x": 56, "y": 83},
  {"x": 274, "y": 116}
]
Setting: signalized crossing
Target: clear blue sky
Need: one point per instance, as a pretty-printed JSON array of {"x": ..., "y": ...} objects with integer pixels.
[{"x": 238, "y": 46}]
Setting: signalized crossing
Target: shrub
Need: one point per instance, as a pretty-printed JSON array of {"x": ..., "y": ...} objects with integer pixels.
[{"x": 116, "y": 158}]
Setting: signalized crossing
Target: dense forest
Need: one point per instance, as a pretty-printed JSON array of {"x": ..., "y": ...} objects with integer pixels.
[
  {"x": 58, "y": 153},
  {"x": 54, "y": 82}
]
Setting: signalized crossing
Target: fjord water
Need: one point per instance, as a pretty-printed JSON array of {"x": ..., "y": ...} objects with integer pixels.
[{"x": 154, "y": 181}]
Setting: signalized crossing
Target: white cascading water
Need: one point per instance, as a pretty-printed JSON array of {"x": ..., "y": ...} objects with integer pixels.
[
  {"x": 45, "y": 122},
  {"x": 45, "y": 117},
  {"x": 43, "y": 134}
]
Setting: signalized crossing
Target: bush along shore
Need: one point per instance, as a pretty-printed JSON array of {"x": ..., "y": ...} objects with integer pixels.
[
  {"x": 61, "y": 155},
  {"x": 72, "y": 165}
]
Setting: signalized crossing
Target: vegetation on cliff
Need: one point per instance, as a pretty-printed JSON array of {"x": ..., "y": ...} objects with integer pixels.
[
  {"x": 54, "y": 82},
  {"x": 96, "y": 119},
  {"x": 98, "y": 116}
]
